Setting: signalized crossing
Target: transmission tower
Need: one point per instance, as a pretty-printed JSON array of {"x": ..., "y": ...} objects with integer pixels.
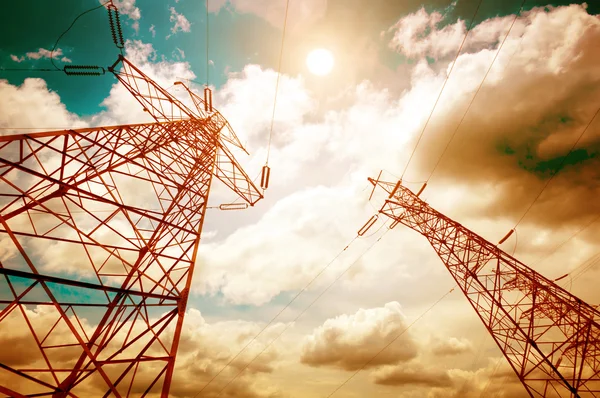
[
  {"x": 121, "y": 209},
  {"x": 550, "y": 338}
]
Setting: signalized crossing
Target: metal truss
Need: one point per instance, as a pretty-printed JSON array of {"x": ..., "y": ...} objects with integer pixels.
[
  {"x": 550, "y": 338},
  {"x": 99, "y": 232}
]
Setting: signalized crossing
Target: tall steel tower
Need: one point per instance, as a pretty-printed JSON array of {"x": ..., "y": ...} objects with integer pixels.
[
  {"x": 119, "y": 210},
  {"x": 550, "y": 338}
]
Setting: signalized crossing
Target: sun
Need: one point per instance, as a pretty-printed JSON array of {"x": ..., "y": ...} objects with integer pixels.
[{"x": 320, "y": 61}]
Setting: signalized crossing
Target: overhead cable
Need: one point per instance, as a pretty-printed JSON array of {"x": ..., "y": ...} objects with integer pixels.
[
  {"x": 390, "y": 342},
  {"x": 302, "y": 313},
  {"x": 442, "y": 89}
]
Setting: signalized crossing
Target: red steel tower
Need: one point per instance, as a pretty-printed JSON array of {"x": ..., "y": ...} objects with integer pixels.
[
  {"x": 119, "y": 210},
  {"x": 550, "y": 338}
]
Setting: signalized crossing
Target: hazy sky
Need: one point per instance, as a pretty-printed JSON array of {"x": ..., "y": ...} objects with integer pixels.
[{"x": 330, "y": 133}]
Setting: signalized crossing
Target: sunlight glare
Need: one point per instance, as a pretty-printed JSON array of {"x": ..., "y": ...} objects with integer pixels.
[{"x": 320, "y": 61}]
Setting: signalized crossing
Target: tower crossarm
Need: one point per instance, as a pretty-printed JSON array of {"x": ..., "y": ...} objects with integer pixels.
[
  {"x": 209, "y": 124},
  {"x": 155, "y": 100},
  {"x": 550, "y": 337},
  {"x": 206, "y": 111}
]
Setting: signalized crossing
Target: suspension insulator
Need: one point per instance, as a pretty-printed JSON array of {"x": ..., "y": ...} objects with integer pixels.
[
  {"x": 393, "y": 224},
  {"x": 558, "y": 362},
  {"x": 422, "y": 189},
  {"x": 561, "y": 277},
  {"x": 83, "y": 70},
  {"x": 115, "y": 26},
  {"x": 506, "y": 236},
  {"x": 264, "y": 178},
  {"x": 368, "y": 225},
  {"x": 208, "y": 107},
  {"x": 233, "y": 206},
  {"x": 396, "y": 187}
]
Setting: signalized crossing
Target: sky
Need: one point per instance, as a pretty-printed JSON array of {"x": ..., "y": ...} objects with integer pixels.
[{"x": 541, "y": 89}]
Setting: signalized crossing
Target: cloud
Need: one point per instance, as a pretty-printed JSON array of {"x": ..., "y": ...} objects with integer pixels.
[
  {"x": 418, "y": 35},
  {"x": 180, "y": 53},
  {"x": 496, "y": 378},
  {"x": 17, "y": 59},
  {"x": 434, "y": 380},
  {"x": 204, "y": 349},
  {"x": 370, "y": 129},
  {"x": 412, "y": 374},
  {"x": 299, "y": 13},
  {"x": 516, "y": 152},
  {"x": 296, "y": 252},
  {"x": 43, "y": 53},
  {"x": 181, "y": 22},
  {"x": 152, "y": 30},
  {"x": 127, "y": 7},
  {"x": 39, "y": 54},
  {"x": 350, "y": 341},
  {"x": 450, "y": 346},
  {"x": 17, "y": 103},
  {"x": 255, "y": 85}
]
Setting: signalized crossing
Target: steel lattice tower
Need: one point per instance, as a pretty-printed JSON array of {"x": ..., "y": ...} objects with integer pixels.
[
  {"x": 122, "y": 209},
  {"x": 550, "y": 338}
]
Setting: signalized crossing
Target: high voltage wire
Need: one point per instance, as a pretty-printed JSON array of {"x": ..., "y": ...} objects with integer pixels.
[
  {"x": 580, "y": 230},
  {"x": 478, "y": 353},
  {"x": 287, "y": 4},
  {"x": 278, "y": 314},
  {"x": 442, "y": 89},
  {"x": 559, "y": 167},
  {"x": 476, "y": 92},
  {"x": 29, "y": 70},
  {"x": 70, "y": 67},
  {"x": 487, "y": 385},
  {"x": 391, "y": 342},
  {"x": 69, "y": 28},
  {"x": 584, "y": 267},
  {"x": 207, "y": 59},
  {"x": 302, "y": 312}
]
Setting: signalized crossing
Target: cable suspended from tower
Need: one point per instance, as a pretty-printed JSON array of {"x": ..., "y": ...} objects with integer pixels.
[
  {"x": 208, "y": 100},
  {"x": 266, "y": 170}
]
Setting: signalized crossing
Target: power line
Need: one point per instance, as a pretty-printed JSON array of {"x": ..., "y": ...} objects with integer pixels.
[
  {"x": 29, "y": 70},
  {"x": 391, "y": 342},
  {"x": 478, "y": 353},
  {"x": 558, "y": 168},
  {"x": 69, "y": 28},
  {"x": 442, "y": 89},
  {"x": 71, "y": 68},
  {"x": 580, "y": 230},
  {"x": 278, "y": 314},
  {"x": 207, "y": 59},
  {"x": 476, "y": 92},
  {"x": 287, "y": 4},
  {"x": 584, "y": 267},
  {"x": 302, "y": 313},
  {"x": 487, "y": 385}
]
